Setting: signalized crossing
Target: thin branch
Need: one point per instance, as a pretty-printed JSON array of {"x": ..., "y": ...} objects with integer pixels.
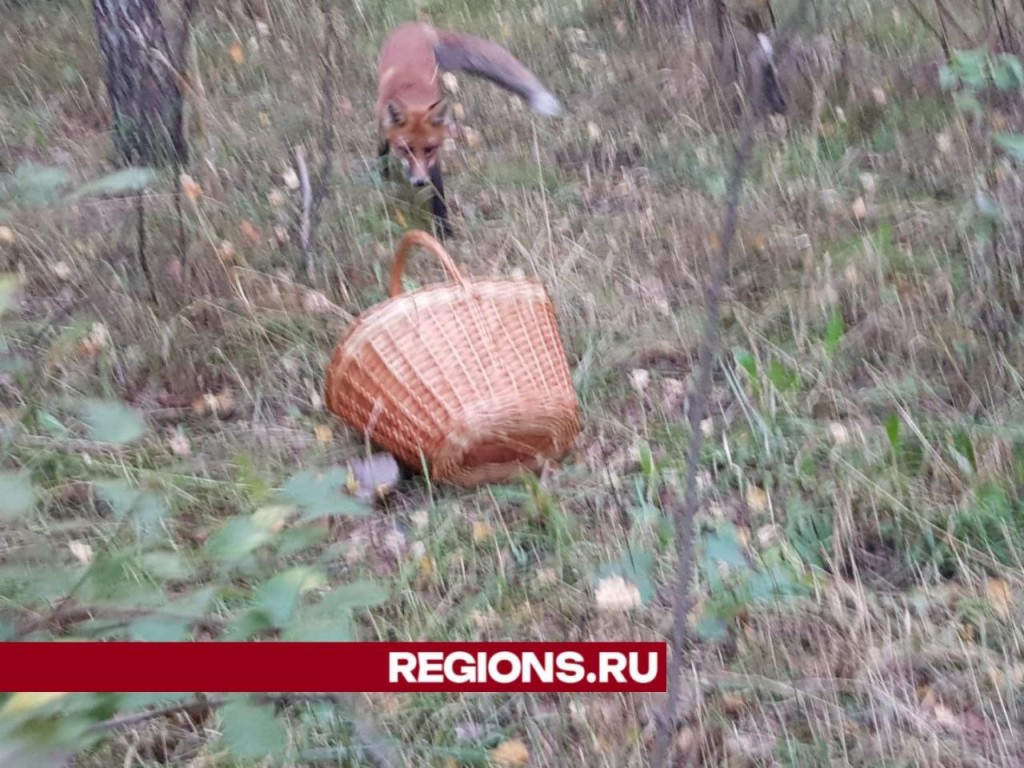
[
  {"x": 372, "y": 745},
  {"x": 685, "y": 514},
  {"x": 685, "y": 533}
]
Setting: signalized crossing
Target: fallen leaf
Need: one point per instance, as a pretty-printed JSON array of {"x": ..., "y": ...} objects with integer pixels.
[
  {"x": 481, "y": 531},
  {"x": 733, "y": 703},
  {"x": 236, "y": 52},
  {"x": 290, "y": 179},
  {"x": 190, "y": 188},
  {"x": 61, "y": 270},
  {"x": 944, "y": 716},
  {"x": 81, "y": 551},
  {"x": 179, "y": 443},
  {"x": 280, "y": 234},
  {"x": 472, "y": 136},
  {"x": 839, "y": 434},
  {"x": 400, "y": 217},
  {"x": 997, "y": 592},
  {"x": 250, "y": 232},
  {"x": 757, "y": 499},
  {"x": 639, "y": 379},
  {"x": 859, "y": 208},
  {"x": 451, "y": 83},
  {"x": 221, "y": 404},
  {"x": 615, "y": 594},
  {"x": 276, "y": 198},
  {"x": 6, "y": 235},
  {"x": 323, "y": 433},
  {"x": 225, "y": 251},
  {"x": 593, "y": 132},
  {"x": 512, "y": 752}
]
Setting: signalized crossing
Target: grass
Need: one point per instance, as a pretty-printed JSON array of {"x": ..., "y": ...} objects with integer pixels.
[{"x": 864, "y": 455}]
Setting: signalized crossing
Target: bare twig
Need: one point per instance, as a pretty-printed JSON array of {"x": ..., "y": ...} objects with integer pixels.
[
  {"x": 372, "y": 744},
  {"x": 685, "y": 533},
  {"x": 685, "y": 514}
]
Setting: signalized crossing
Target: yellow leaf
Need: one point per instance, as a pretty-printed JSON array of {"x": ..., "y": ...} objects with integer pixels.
[
  {"x": 250, "y": 232},
  {"x": 20, "y": 703},
  {"x": 401, "y": 218},
  {"x": 236, "y": 52},
  {"x": 225, "y": 251},
  {"x": 190, "y": 188},
  {"x": 859, "y": 208},
  {"x": 757, "y": 499},
  {"x": 426, "y": 566},
  {"x": 512, "y": 752},
  {"x": 481, "y": 531},
  {"x": 997, "y": 592},
  {"x": 323, "y": 433}
]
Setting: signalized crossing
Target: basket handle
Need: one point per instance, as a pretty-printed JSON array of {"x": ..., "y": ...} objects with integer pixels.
[{"x": 418, "y": 237}]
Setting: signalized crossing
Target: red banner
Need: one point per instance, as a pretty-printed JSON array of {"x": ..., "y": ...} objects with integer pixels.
[{"x": 257, "y": 667}]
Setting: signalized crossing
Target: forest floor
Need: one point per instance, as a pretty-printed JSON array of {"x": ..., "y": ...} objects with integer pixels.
[{"x": 860, "y": 568}]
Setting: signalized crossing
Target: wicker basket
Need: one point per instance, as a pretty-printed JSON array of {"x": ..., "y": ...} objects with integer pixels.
[{"x": 467, "y": 377}]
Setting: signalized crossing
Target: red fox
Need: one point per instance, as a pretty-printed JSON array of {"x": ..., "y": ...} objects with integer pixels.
[{"x": 415, "y": 117}]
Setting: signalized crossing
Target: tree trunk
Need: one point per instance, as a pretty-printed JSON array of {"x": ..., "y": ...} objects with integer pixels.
[{"x": 146, "y": 96}]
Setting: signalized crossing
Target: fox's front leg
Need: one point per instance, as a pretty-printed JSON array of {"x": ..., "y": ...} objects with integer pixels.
[{"x": 438, "y": 205}]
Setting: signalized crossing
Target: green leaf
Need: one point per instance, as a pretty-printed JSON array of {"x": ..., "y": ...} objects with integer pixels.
[
  {"x": 116, "y": 183},
  {"x": 1007, "y": 72},
  {"x": 746, "y": 361},
  {"x": 146, "y": 510},
  {"x": 17, "y": 495},
  {"x": 711, "y": 628},
  {"x": 251, "y": 730},
  {"x": 968, "y": 104},
  {"x": 892, "y": 430},
  {"x": 321, "y": 493},
  {"x": 110, "y": 421},
  {"x": 723, "y": 545},
  {"x": 1011, "y": 143},
  {"x": 51, "y": 424},
  {"x": 166, "y": 565},
  {"x": 782, "y": 377},
  {"x": 279, "y": 596},
  {"x": 970, "y": 68},
  {"x": 298, "y": 539},
  {"x": 316, "y": 625},
  {"x": 248, "y": 625},
  {"x": 834, "y": 332},
  {"x": 158, "y": 630},
  {"x": 646, "y": 461},
  {"x": 356, "y": 594},
  {"x": 637, "y": 567},
  {"x": 948, "y": 79},
  {"x": 236, "y": 538},
  {"x": 36, "y": 184}
]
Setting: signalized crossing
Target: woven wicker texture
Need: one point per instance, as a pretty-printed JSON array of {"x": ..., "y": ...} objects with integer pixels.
[{"x": 469, "y": 376}]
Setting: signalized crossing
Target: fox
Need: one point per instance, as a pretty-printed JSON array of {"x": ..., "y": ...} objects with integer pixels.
[{"x": 415, "y": 117}]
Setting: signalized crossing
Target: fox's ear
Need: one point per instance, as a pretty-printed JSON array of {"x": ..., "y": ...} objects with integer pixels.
[
  {"x": 440, "y": 112},
  {"x": 394, "y": 114}
]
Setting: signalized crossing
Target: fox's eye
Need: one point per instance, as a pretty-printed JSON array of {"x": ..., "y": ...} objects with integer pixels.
[{"x": 431, "y": 149}]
